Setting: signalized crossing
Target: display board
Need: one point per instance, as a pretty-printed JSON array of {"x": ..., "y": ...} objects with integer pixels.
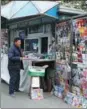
[
  {"x": 63, "y": 40},
  {"x": 62, "y": 31},
  {"x": 22, "y": 36}
]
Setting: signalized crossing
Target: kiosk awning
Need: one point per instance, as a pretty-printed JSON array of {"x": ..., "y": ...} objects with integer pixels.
[{"x": 19, "y": 9}]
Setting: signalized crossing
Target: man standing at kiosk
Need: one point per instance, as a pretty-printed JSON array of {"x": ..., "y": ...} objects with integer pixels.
[{"x": 14, "y": 65}]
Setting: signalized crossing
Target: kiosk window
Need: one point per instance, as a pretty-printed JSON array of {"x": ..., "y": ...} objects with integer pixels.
[
  {"x": 31, "y": 45},
  {"x": 44, "y": 45},
  {"x": 36, "y": 29}
]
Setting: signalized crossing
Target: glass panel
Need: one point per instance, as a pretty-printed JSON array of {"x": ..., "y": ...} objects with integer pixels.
[
  {"x": 36, "y": 29},
  {"x": 47, "y": 28},
  {"x": 31, "y": 45}
]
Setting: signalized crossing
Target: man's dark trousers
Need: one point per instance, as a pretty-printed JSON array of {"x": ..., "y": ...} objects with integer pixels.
[{"x": 14, "y": 81}]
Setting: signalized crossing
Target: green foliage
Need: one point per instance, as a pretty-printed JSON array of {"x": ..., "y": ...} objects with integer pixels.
[
  {"x": 3, "y": 2},
  {"x": 78, "y": 4}
]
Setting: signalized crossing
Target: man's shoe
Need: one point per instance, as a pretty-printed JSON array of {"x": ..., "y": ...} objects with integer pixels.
[{"x": 12, "y": 95}]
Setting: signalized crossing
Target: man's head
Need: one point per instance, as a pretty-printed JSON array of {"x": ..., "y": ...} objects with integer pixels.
[{"x": 17, "y": 42}]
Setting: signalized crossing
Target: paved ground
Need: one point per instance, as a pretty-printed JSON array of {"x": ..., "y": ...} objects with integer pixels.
[{"x": 22, "y": 100}]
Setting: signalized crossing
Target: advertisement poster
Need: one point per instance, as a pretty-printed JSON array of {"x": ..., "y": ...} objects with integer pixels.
[
  {"x": 22, "y": 37},
  {"x": 63, "y": 39},
  {"x": 80, "y": 29},
  {"x": 80, "y": 33}
]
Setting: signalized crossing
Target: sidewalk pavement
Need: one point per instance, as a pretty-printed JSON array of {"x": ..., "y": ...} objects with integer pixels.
[{"x": 23, "y": 101}]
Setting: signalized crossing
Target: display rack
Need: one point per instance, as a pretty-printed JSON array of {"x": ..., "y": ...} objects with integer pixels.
[
  {"x": 71, "y": 61},
  {"x": 63, "y": 56},
  {"x": 79, "y": 57}
]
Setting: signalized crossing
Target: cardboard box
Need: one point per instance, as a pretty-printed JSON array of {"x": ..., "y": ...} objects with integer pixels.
[{"x": 35, "y": 82}]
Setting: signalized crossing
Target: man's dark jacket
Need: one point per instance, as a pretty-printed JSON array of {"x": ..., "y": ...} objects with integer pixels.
[{"x": 14, "y": 62}]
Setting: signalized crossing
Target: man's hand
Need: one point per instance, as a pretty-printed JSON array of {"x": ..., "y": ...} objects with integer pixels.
[{"x": 21, "y": 58}]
